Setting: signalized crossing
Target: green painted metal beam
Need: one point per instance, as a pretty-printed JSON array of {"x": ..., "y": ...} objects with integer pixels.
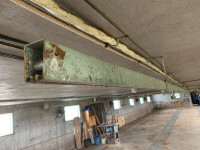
[{"x": 61, "y": 64}]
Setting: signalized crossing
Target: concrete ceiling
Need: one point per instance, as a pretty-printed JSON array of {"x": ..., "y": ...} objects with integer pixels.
[
  {"x": 162, "y": 28},
  {"x": 168, "y": 29}
]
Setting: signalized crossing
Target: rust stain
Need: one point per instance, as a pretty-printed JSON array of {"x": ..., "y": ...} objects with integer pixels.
[
  {"x": 58, "y": 52},
  {"x": 48, "y": 53},
  {"x": 90, "y": 78}
]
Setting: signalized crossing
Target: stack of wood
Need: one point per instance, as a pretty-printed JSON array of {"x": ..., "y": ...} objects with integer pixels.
[
  {"x": 120, "y": 120},
  {"x": 89, "y": 127},
  {"x": 177, "y": 104}
]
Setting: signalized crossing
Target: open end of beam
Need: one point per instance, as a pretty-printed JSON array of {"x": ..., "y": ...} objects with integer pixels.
[{"x": 33, "y": 61}]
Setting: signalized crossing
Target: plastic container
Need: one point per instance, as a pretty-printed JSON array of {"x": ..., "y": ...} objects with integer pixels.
[
  {"x": 89, "y": 118},
  {"x": 97, "y": 140},
  {"x": 87, "y": 142},
  {"x": 88, "y": 108},
  {"x": 92, "y": 140},
  {"x": 103, "y": 141}
]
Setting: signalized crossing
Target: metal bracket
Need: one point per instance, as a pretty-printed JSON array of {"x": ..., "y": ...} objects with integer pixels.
[{"x": 117, "y": 41}]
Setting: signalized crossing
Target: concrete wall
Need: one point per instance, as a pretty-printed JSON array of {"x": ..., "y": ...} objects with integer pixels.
[
  {"x": 39, "y": 129},
  {"x": 163, "y": 100},
  {"x": 130, "y": 113}
]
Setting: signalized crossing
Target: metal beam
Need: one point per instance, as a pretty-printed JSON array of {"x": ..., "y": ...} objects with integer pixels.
[
  {"x": 61, "y": 64},
  {"x": 191, "y": 81},
  {"x": 52, "y": 12}
]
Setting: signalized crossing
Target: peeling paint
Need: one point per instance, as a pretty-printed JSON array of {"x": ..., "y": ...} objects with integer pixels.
[
  {"x": 90, "y": 78},
  {"x": 48, "y": 53},
  {"x": 58, "y": 52}
]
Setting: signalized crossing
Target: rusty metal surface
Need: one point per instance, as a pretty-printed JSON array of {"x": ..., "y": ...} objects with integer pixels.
[{"x": 64, "y": 65}]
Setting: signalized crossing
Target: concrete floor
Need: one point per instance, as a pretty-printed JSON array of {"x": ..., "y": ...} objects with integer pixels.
[{"x": 173, "y": 129}]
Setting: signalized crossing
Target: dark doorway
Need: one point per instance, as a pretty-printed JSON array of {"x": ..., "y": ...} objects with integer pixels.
[
  {"x": 194, "y": 99},
  {"x": 100, "y": 111}
]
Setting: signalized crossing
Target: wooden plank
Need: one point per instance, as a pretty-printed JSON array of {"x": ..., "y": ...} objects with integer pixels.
[
  {"x": 85, "y": 130},
  {"x": 77, "y": 127},
  {"x": 121, "y": 121},
  {"x": 90, "y": 132},
  {"x": 84, "y": 103}
]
